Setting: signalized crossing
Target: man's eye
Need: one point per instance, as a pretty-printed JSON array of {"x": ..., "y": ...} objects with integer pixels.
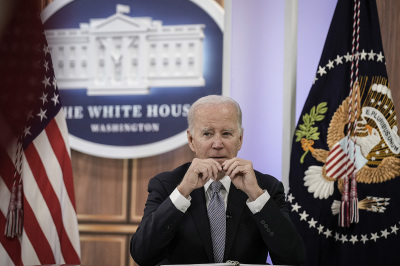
[
  {"x": 206, "y": 134},
  {"x": 227, "y": 133}
]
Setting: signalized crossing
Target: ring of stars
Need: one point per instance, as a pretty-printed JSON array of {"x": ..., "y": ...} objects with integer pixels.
[
  {"x": 343, "y": 238},
  {"x": 363, "y": 55}
]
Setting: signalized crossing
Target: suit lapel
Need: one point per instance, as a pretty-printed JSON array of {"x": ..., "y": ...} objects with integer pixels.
[
  {"x": 199, "y": 214},
  {"x": 236, "y": 203}
]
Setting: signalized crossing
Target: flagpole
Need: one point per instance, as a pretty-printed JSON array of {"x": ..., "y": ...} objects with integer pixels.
[
  {"x": 226, "y": 71},
  {"x": 289, "y": 87}
]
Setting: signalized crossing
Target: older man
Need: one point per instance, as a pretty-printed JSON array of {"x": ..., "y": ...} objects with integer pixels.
[{"x": 217, "y": 207}]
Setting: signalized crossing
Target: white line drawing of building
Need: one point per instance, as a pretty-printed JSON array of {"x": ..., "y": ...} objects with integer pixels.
[{"x": 127, "y": 55}]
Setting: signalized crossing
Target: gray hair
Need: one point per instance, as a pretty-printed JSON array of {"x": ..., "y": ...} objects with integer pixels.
[{"x": 213, "y": 99}]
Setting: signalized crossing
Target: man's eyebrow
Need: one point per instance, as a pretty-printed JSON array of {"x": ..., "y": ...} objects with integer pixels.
[{"x": 205, "y": 129}]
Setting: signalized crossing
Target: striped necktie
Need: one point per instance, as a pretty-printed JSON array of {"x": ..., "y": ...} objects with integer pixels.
[{"x": 217, "y": 217}]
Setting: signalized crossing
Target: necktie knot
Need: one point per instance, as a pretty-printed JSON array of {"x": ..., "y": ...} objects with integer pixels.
[{"x": 216, "y": 186}]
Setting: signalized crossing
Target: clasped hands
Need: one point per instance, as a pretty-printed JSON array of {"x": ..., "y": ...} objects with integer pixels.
[{"x": 239, "y": 170}]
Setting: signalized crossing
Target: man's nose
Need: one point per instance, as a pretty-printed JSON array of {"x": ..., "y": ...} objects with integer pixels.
[{"x": 217, "y": 143}]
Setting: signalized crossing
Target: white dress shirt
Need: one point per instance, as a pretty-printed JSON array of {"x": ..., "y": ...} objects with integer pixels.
[{"x": 182, "y": 203}]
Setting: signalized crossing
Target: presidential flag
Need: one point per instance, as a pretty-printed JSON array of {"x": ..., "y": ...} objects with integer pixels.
[
  {"x": 38, "y": 223},
  {"x": 345, "y": 165}
]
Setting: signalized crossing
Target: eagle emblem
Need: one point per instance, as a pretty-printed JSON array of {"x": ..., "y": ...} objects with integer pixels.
[{"x": 374, "y": 148}]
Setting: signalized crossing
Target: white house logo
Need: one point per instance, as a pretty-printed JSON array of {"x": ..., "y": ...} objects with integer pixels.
[
  {"x": 124, "y": 55},
  {"x": 127, "y": 79}
]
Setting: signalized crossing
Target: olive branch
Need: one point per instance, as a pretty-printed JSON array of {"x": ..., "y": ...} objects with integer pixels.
[{"x": 307, "y": 133}]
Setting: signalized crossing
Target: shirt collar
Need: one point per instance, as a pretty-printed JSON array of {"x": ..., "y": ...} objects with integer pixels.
[{"x": 226, "y": 182}]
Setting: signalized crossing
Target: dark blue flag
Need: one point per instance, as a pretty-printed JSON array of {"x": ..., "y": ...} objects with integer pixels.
[{"x": 345, "y": 164}]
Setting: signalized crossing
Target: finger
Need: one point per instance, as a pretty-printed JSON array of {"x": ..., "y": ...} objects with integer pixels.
[
  {"x": 201, "y": 171},
  {"x": 233, "y": 178},
  {"x": 196, "y": 171},
  {"x": 210, "y": 172},
  {"x": 228, "y": 163},
  {"x": 229, "y": 168},
  {"x": 205, "y": 179},
  {"x": 215, "y": 163},
  {"x": 216, "y": 169},
  {"x": 238, "y": 170},
  {"x": 207, "y": 165},
  {"x": 213, "y": 167}
]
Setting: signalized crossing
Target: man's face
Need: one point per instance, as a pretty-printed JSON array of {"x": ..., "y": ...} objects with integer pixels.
[{"x": 215, "y": 132}]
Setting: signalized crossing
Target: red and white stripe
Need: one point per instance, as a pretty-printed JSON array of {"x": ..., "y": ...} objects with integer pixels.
[
  {"x": 50, "y": 234},
  {"x": 338, "y": 162}
]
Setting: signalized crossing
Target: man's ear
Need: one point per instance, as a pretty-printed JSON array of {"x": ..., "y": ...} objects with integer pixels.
[
  {"x": 241, "y": 140},
  {"x": 190, "y": 140}
]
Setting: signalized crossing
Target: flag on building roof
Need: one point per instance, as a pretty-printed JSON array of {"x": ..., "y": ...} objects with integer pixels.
[
  {"x": 38, "y": 222},
  {"x": 345, "y": 163}
]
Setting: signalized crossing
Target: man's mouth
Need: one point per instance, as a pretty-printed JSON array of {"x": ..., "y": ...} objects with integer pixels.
[{"x": 219, "y": 159}]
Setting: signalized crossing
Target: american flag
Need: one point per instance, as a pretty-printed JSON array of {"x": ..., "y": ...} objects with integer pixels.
[
  {"x": 320, "y": 197},
  {"x": 31, "y": 118}
]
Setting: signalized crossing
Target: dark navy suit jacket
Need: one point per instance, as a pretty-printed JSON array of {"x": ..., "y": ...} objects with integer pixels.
[{"x": 167, "y": 236}]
